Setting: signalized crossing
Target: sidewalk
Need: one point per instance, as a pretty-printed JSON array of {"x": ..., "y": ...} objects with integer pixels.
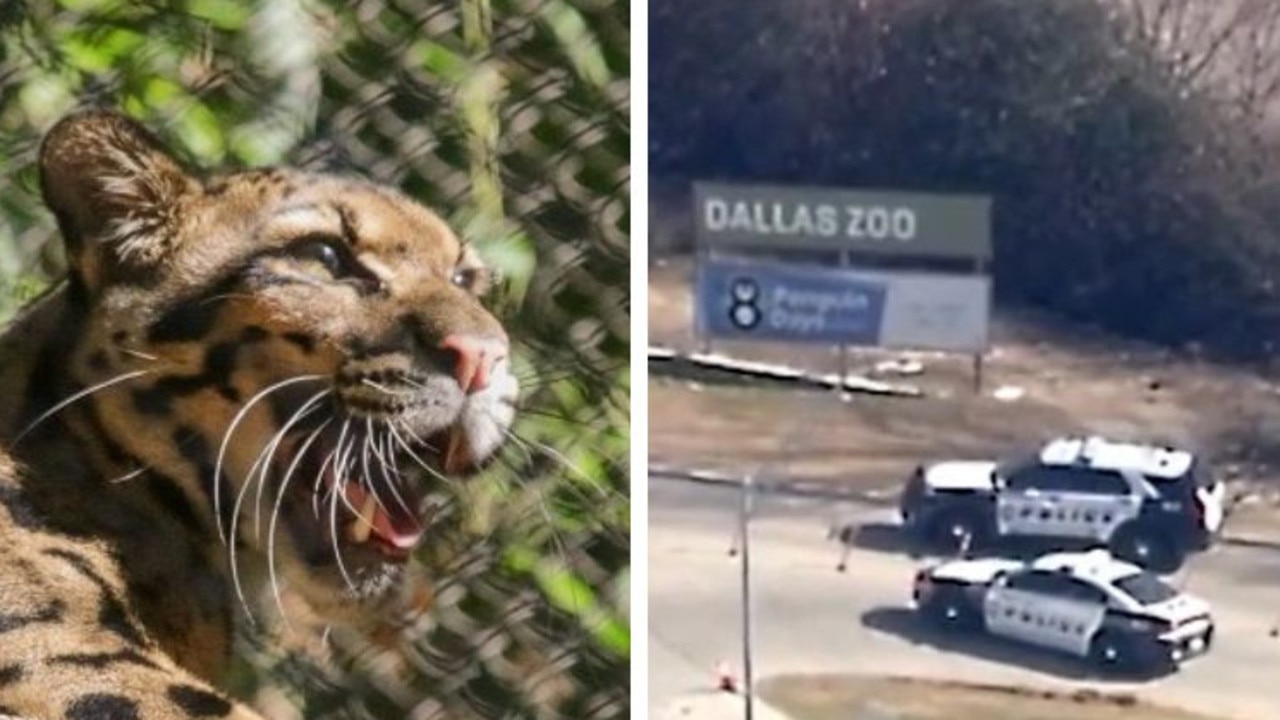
[
  {"x": 713, "y": 705},
  {"x": 1256, "y": 525},
  {"x": 1252, "y": 525},
  {"x": 683, "y": 689}
]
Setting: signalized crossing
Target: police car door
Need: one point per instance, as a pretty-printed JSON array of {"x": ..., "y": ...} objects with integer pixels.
[
  {"x": 1042, "y": 608},
  {"x": 1102, "y": 501},
  {"x": 1030, "y": 502}
]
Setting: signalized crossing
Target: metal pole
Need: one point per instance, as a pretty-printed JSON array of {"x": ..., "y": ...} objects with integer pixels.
[
  {"x": 981, "y": 268},
  {"x": 701, "y": 253},
  {"x": 844, "y": 347},
  {"x": 743, "y": 517}
]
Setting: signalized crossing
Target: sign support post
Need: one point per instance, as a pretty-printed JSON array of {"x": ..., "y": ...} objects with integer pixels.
[
  {"x": 702, "y": 253},
  {"x": 744, "y": 516},
  {"x": 980, "y": 267},
  {"x": 844, "y": 347}
]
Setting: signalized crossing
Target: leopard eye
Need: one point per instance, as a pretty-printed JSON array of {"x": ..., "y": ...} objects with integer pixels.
[
  {"x": 324, "y": 251},
  {"x": 465, "y": 278},
  {"x": 478, "y": 281}
]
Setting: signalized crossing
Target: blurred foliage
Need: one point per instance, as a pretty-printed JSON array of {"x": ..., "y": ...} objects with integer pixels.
[
  {"x": 509, "y": 116},
  {"x": 1129, "y": 145}
]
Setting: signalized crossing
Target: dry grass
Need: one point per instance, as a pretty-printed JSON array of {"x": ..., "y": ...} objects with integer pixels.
[{"x": 854, "y": 697}]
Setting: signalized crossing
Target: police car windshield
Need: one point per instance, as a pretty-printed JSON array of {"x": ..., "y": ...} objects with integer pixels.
[
  {"x": 1146, "y": 588},
  {"x": 1012, "y": 466}
]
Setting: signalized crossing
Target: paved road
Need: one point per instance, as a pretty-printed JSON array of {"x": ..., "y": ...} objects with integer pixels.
[{"x": 810, "y": 618}]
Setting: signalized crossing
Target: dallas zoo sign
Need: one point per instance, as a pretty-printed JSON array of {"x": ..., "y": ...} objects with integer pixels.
[
  {"x": 854, "y": 222},
  {"x": 798, "y": 218},
  {"x": 742, "y": 295}
]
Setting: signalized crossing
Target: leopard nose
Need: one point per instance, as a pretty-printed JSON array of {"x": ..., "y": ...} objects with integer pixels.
[{"x": 474, "y": 359}]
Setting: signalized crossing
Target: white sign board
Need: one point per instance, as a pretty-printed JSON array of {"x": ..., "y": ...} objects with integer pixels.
[{"x": 934, "y": 311}]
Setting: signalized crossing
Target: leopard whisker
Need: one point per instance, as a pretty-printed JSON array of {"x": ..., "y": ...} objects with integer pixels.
[
  {"x": 539, "y": 379},
  {"x": 226, "y": 441},
  {"x": 395, "y": 436},
  {"x": 345, "y": 465},
  {"x": 124, "y": 377},
  {"x": 316, "y": 495},
  {"x": 139, "y": 354},
  {"x": 418, "y": 384},
  {"x": 543, "y": 507},
  {"x": 425, "y": 466},
  {"x": 308, "y": 407},
  {"x": 275, "y": 515},
  {"x": 129, "y": 475},
  {"x": 257, "y": 469},
  {"x": 599, "y": 490},
  {"x": 390, "y": 391},
  {"x": 559, "y": 457},
  {"x": 333, "y": 532},
  {"x": 145, "y": 467},
  {"x": 559, "y": 417},
  {"x": 225, "y": 296},
  {"x": 261, "y": 464},
  {"x": 394, "y": 477},
  {"x": 520, "y": 443},
  {"x": 365, "y": 451},
  {"x": 338, "y": 464}
]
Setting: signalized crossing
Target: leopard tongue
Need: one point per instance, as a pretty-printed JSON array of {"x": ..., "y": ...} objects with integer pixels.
[
  {"x": 403, "y": 530},
  {"x": 394, "y": 525}
]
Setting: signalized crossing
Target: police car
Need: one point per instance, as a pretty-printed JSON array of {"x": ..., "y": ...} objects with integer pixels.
[
  {"x": 1150, "y": 505},
  {"x": 1088, "y": 604}
]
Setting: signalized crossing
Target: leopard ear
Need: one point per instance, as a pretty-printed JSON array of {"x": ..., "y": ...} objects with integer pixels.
[{"x": 117, "y": 194}]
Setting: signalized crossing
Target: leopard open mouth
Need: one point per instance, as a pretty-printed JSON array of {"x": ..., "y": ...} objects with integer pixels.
[
  {"x": 369, "y": 489},
  {"x": 360, "y": 474}
]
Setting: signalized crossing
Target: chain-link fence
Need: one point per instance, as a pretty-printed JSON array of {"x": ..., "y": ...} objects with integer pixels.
[{"x": 511, "y": 118}]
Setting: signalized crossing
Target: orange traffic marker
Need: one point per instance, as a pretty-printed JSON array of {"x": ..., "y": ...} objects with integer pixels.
[{"x": 725, "y": 680}]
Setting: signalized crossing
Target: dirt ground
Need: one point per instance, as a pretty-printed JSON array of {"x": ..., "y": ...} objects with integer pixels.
[
  {"x": 1066, "y": 379},
  {"x": 852, "y": 697}
]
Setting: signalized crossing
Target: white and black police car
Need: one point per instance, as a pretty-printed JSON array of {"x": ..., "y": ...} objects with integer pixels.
[
  {"x": 1120, "y": 617},
  {"x": 1149, "y": 505}
]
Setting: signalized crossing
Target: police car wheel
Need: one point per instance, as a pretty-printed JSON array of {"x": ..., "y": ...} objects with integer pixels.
[
  {"x": 1110, "y": 651},
  {"x": 1131, "y": 656},
  {"x": 1144, "y": 548},
  {"x": 956, "y": 532},
  {"x": 948, "y": 611}
]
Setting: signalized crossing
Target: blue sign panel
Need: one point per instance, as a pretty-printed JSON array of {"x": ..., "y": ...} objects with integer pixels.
[{"x": 738, "y": 299}]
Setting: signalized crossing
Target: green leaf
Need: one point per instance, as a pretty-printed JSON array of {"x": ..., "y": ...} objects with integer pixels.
[
  {"x": 439, "y": 60},
  {"x": 223, "y": 14},
  {"x": 577, "y": 41},
  {"x": 202, "y": 133},
  {"x": 102, "y": 52},
  {"x": 571, "y": 594}
]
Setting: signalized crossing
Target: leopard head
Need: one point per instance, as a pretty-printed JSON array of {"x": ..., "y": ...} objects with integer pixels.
[{"x": 304, "y": 355}]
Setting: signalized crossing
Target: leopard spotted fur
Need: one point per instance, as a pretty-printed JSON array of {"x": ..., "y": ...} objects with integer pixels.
[{"x": 243, "y": 387}]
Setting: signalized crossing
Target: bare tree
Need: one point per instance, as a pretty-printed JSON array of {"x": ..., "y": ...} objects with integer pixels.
[{"x": 1228, "y": 51}]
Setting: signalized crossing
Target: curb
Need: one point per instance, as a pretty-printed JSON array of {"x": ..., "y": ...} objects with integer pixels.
[
  {"x": 781, "y": 373},
  {"x": 819, "y": 491},
  {"x": 822, "y": 491}
]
